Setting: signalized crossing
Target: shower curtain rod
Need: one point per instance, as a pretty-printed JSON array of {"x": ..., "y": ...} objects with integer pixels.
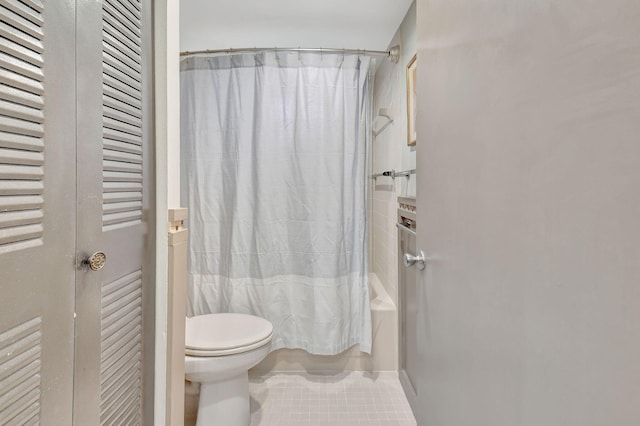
[{"x": 393, "y": 54}]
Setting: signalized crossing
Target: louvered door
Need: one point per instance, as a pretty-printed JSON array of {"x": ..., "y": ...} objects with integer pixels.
[
  {"x": 113, "y": 204},
  {"x": 37, "y": 211},
  {"x": 75, "y": 173}
]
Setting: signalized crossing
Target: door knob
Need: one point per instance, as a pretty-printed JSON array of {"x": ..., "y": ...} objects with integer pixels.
[
  {"x": 96, "y": 261},
  {"x": 410, "y": 260}
]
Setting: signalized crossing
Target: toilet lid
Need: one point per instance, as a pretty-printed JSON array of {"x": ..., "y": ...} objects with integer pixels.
[{"x": 225, "y": 334}]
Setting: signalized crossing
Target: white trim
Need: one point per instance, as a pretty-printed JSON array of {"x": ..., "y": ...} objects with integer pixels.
[{"x": 166, "y": 66}]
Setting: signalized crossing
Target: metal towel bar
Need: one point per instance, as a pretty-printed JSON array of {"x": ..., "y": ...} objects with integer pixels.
[
  {"x": 393, "y": 174},
  {"x": 406, "y": 229}
]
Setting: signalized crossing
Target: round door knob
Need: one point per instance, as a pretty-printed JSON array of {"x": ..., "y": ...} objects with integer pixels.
[
  {"x": 96, "y": 261},
  {"x": 410, "y": 260}
]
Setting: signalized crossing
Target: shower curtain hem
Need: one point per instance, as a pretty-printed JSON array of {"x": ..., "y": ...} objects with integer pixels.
[{"x": 365, "y": 347}]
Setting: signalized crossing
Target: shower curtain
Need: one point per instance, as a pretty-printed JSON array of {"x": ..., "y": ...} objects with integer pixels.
[{"x": 274, "y": 155}]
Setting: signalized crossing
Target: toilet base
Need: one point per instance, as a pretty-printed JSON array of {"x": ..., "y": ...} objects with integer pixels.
[{"x": 225, "y": 403}]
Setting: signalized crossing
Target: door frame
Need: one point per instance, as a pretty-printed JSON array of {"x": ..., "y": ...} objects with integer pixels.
[{"x": 166, "y": 134}]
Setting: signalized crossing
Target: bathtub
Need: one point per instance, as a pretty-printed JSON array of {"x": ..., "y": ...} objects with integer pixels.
[{"x": 384, "y": 350}]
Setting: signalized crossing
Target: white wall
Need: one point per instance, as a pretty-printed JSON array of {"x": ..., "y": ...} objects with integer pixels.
[
  {"x": 529, "y": 194},
  {"x": 390, "y": 151},
  {"x": 173, "y": 104},
  {"x": 357, "y": 24},
  {"x": 167, "y": 134}
]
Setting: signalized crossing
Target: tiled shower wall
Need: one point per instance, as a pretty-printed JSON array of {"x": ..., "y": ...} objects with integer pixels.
[{"x": 390, "y": 151}]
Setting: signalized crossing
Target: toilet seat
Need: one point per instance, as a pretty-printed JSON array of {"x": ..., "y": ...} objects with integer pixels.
[{"x": 225, "y": 334}]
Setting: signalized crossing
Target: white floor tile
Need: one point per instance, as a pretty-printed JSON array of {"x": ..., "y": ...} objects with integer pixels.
[{"x": 346, "y": 399}]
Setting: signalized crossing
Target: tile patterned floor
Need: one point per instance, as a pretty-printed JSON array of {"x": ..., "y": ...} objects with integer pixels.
[{"x": 303, "y": 399}]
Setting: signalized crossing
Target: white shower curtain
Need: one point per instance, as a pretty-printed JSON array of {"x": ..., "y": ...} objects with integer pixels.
[{"x": 274, "y": 154}]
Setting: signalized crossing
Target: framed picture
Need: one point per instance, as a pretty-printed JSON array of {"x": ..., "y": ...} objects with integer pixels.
[{"x": 412, "y": 68}]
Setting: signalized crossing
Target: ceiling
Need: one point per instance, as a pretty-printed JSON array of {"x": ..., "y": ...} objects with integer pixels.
[{"x": 353, "y": 24}]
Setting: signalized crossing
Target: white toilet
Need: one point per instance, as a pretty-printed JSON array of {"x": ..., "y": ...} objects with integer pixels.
[{"x": 220, "y": 349}]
